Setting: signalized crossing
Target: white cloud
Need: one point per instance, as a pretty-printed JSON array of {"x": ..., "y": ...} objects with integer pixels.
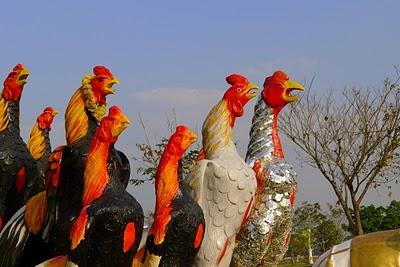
[{"x": 178, "y": 97}]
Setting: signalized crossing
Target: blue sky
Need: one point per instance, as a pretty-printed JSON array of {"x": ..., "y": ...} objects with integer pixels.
[{"x": 176, "y": 54}]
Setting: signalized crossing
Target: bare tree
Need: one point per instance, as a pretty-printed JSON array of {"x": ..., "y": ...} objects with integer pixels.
[{"x": 355, "y": 145}]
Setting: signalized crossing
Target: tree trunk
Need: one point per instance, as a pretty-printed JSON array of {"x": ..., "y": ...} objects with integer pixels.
[{"x": 358, "y": 230}]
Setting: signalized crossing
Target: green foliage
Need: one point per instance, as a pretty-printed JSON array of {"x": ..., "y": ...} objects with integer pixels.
[
  {"x": 150, "y": 157},
  {"x": 380, "y": 218},
  {"x": 299, "y": 244},
  {"x": 148, "y": 161},
  {"x": 325, "y": 229},
  {"x": 326, "y": 235},
  {"x": 307, "y": 216}
]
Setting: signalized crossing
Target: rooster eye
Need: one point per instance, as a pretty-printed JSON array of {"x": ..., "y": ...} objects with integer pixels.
[
  {"x": 239, "y": 89},
  {"x": 178, "y": 139},
  {"x": 101, "y": 80}
]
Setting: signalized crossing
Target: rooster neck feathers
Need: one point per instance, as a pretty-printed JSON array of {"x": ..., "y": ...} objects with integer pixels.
[
  {"x": 96, "y": 175},
  {"x": 9, "y": 116},
  {"x": 260, "y": 143},
  {"x": 3, "y": 114},
  {"x": 81, "y": 105},
  {"x": 217, "y": 130},
  {"x": 39, "y": 143},
  {"x": 167, "y": 182}
]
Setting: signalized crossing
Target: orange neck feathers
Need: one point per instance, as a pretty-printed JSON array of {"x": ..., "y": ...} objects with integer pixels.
[
  {"x": 96, "y": 176},
  {"x": 167, "y": 182}
]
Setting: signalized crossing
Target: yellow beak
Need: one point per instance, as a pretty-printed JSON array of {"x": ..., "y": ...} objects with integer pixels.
[
  {"x": 23, "y": 76},
  {"x": 55, "y": 112},
  {"x": 109, "y": 89},
  {"x": 251, "y": 90},
  {"x": 122, "y": 125},
  {"x": 290, "y": 86}
]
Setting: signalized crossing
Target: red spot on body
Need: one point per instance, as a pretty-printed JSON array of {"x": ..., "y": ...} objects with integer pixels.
[
  {"x": 1, "y": 223},
  {"x": 247, "y": 213},
  {"x": 199, "y": 236},
  {"x": 260, "y": 173},
  {"x": 202, "y": 155},
  {"x": 287, "y": 239},
  {"x": 20, "y": 180},
  {"x": 129, "y": 236},
  {"x": 269, "y": 238},
  {"x": 53, "y": 171},
  {"x": 292, "y": 195},
  {"x": 78, "y": 229},
  {"x": 222, "y": 252}
]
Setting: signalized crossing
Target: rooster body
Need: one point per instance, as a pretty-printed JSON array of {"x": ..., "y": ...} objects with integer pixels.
[
  {"x": 265, "y": 236},
  {"x": 19, "y": 177},
  {"x": 222, "y": 183},
  {"x": 177, "y": 231},
  {"x": 108, "y": 229}
]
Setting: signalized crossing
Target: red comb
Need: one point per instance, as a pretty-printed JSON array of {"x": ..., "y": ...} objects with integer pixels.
[
  {"x": 48, "y": 109},
  {"x": 236, "y": 78},
  {"x": 101, "y": 70},
  {"x": 114, "y": 111},
  {"x": 18, "y": 67},
  {"x": 280, "y": 75},
  {"x": 181, "y": 129}
]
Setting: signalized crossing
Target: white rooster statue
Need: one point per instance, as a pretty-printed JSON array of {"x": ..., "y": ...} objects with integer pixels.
[{"x": 221, "y": 182}]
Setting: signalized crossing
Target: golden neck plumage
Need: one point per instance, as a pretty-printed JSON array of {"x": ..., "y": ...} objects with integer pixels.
[
  {"x": 37, "y": 142},
  {"x": 217, "y": 130},
  {"x": 3, "y": 114},
  {"x": 76, "y": 118}
]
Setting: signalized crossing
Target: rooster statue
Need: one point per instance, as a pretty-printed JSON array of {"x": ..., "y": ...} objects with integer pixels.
[
  {"x": 222, "y": 183},
  {"x": 39, "y": 140},
  {"x": 378, "y": 249},
  {"x": 85, "y": 110},
  {"x": 265, "y": 236},
  {"x": 108, "y": 230},
  {"x": 64, "y": 175},
  {"x": 19, "y": 177},
  {"x": 177, "y": 231}
]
